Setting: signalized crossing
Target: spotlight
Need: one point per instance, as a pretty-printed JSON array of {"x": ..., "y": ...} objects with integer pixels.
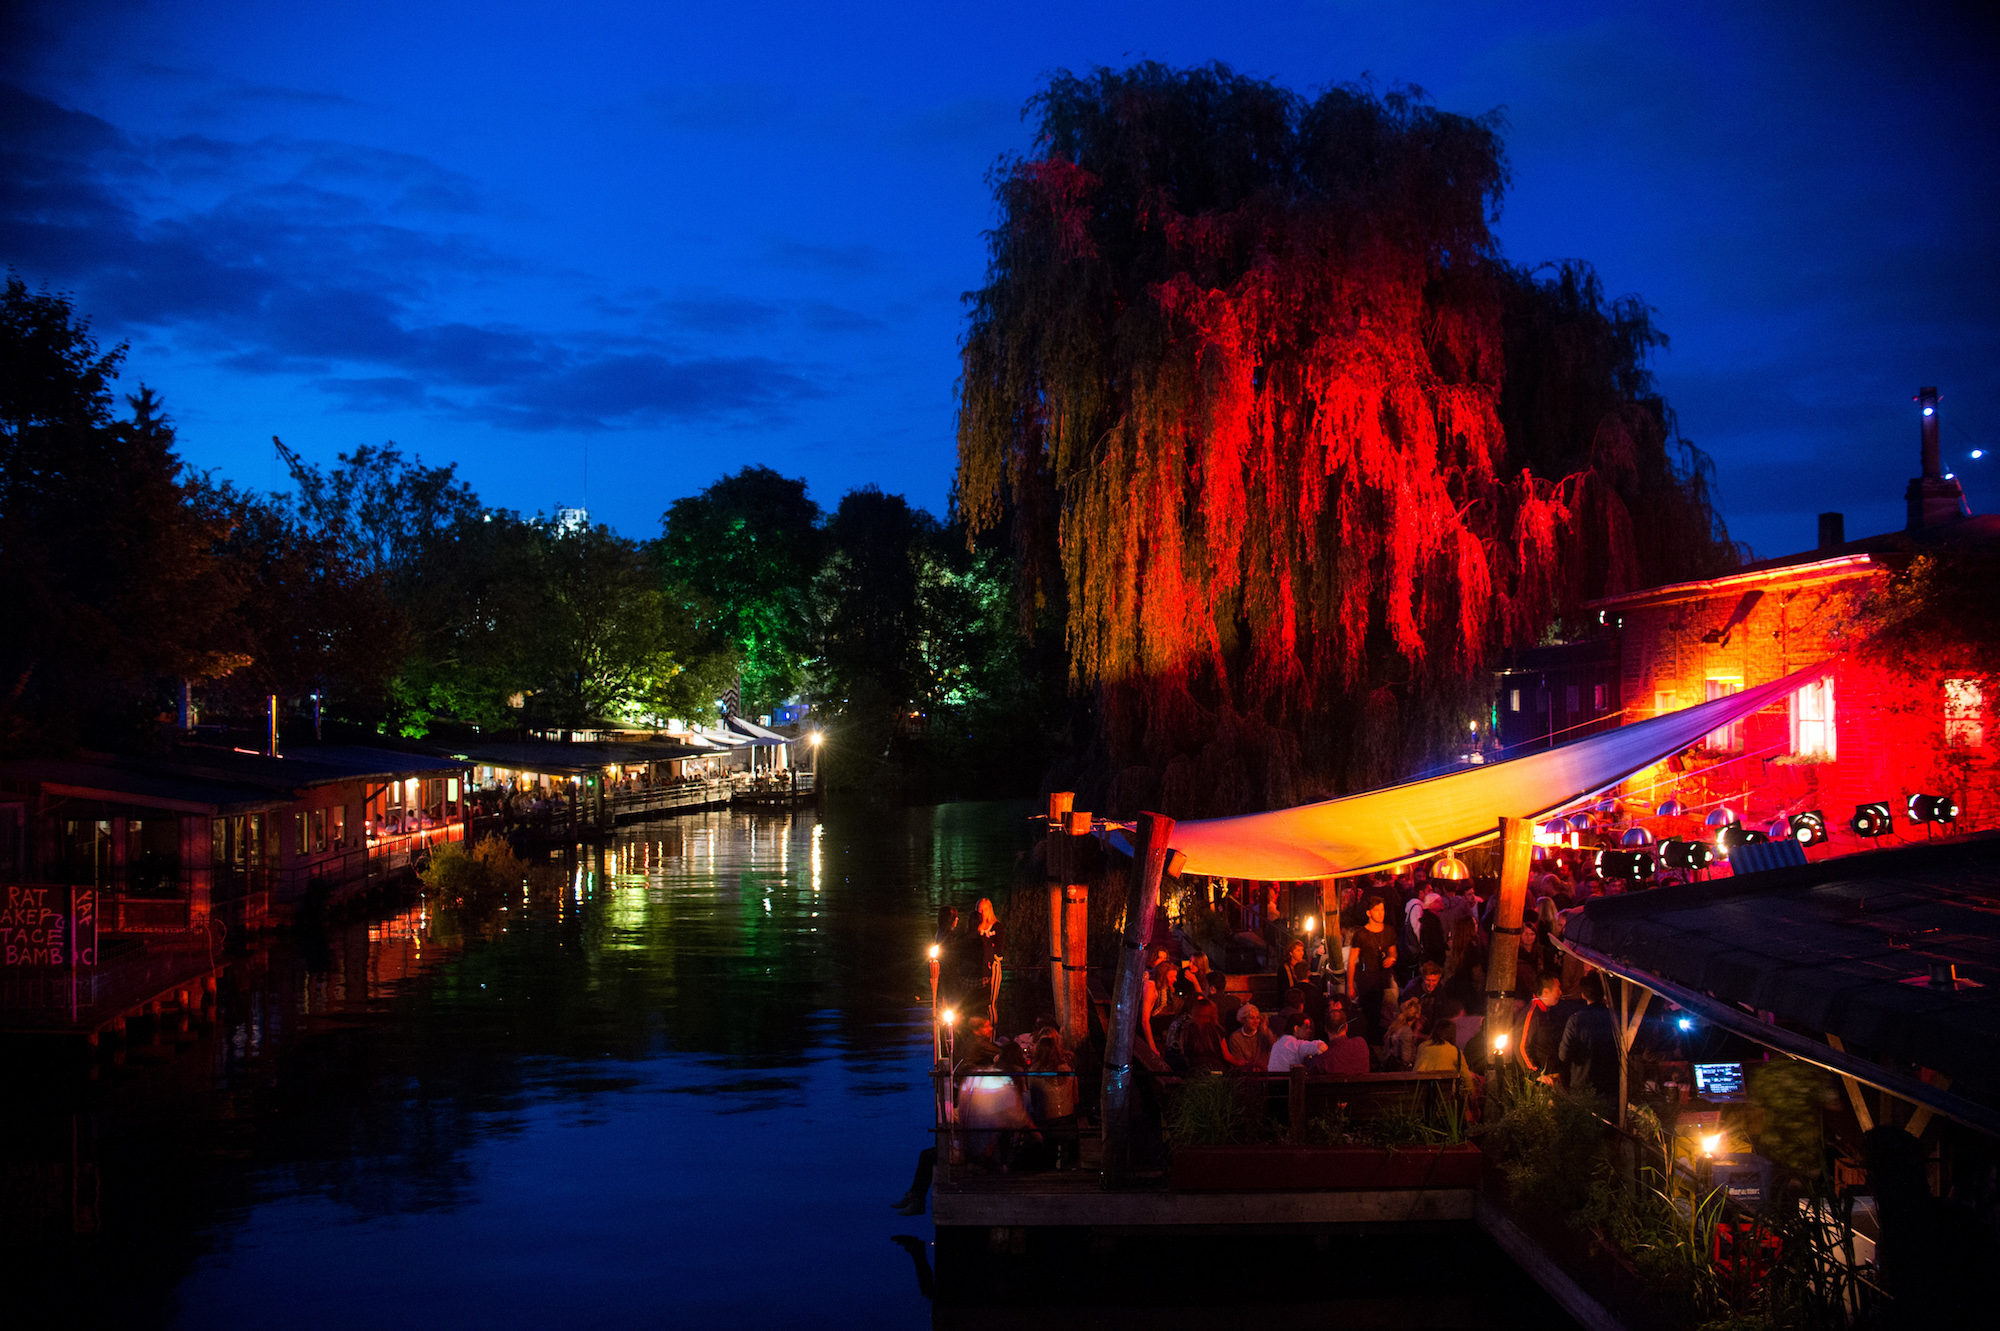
[
  {"x": 1808, "y": 828},
  {"x": 1779, "y": 830},
  {"x": 1690, "y": 855},
  {"x": 1631, "y": 865},
  {"x": 1933, "y": 809},
  {"x": 1721, "y": 816},
  {"x": 1672, "y": 809},
  {"x": 1736, "y": 834},
  {"x": 1872, "y": 820},
  {"x": 1685, "y": 1023},
  {"x": 1636, "y": 836}
]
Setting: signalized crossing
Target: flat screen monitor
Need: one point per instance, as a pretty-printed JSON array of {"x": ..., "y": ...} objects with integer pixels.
[{"x": 1713, "y": 1079}]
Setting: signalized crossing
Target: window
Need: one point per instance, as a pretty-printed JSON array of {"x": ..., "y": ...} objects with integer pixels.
[
  {"x": 319, "y": 830},
  {"x": 1812, "y": 720},
  {"x": 300, "y": 845},
  {"x": 337, "y": 817},
  {"x": 1598, "y": 696},
  {"x": 1570, "y": 698},
  {"x": 1513, "y": 700},
  {"x": 1729, "y": 738},
  {"x": 1663, "y": 702},
  {"x": 1964, "y": 713}
]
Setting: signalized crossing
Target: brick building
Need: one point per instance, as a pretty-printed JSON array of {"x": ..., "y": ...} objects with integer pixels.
[{"x": 1861, "y": 734}]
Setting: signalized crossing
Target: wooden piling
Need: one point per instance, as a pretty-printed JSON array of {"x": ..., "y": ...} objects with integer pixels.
[
  {"x": 1517, "y": 853},
  {"x": 1142, "y": 898},
  {"x": 1055, "y": 872},
  {"x": 1076, "y": 965}
]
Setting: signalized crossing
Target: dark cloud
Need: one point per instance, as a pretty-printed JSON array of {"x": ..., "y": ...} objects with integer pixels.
[
  {"x": 851, "y": 260},
  {"x": 297, "y": 271}
]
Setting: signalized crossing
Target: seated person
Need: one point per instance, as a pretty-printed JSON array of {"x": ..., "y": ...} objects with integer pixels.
[
  {"x": 1346, "y": 1055},
  {"x": 1428, "y": 990},
  {"x": 1295, "y": 1047},
  {"x": 991, "y": 1108},
  {"x": 1440, "y": 1053},
  {"x": 1399, "y": 1046},
  {"x": 1252, "y": 1040},
  {"x": 1203, "y": 1044}
]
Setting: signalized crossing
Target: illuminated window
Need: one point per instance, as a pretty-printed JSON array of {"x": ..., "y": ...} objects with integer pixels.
[
  {"x": 337, "y": 817},
  {"x": 1513, "y": 700},
  {"x": 1964, "y": 712},
  {"x": 1812, "y": 720},
  {"x": 1663, "y": 702},
  {"x": 1599, "y": 696},
  {"x": 1729, "y": 738}
]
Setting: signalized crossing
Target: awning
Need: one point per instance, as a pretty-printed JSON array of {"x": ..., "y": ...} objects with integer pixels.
[{"x": 1380, "y": 829}]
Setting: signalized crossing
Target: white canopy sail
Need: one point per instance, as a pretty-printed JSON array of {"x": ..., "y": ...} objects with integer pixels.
[{"x": 1379, "y": 829}]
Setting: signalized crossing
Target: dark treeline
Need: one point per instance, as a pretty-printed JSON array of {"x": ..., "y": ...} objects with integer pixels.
[{"x": 380, "y": 598}]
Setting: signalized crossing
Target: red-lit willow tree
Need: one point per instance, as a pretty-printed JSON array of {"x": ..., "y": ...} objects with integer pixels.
[{"x": 1281, "y": 442}]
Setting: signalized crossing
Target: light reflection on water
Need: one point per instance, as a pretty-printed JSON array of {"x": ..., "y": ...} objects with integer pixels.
[{"x": 678, "y": 1084}]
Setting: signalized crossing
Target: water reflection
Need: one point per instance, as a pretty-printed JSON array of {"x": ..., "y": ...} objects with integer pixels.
[{"x": 685, "y": 1059}]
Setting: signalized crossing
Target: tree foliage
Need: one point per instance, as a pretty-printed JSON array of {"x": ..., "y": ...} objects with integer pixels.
[
  {"x": 110, "y": 586},
  {"x": 1263, "y": 408},
  {"x": 747, "y": 549}
]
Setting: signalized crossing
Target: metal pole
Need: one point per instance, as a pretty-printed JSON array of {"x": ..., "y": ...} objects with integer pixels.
[{"x": 1142, "y": 898}]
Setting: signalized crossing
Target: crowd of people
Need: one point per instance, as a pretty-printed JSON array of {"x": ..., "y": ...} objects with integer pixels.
[{"x": 1395, "y": 981}]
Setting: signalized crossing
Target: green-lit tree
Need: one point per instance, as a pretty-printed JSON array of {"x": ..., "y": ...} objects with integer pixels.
[{"x": 744, "y": 553}]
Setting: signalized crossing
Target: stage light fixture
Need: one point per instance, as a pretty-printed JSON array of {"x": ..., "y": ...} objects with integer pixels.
[
  {"x": 1689, "y": 855},
  {"x": 1873, "y": 819},
  {"x": 1736, "y": 834},
  {"x": 1933, "y": 809},
  {"x": 1631, "y": 865},
  {"x": 1449, "y": 868},
  {"x": 1808, "y": 828},
  {"x": 1721, "y": 816},
  {"x": 1636, "y": 836},
  {"x": 1579, "y": 822},
  {"x": 1555, "y": 829},
  {"x": 1672, "y": 808}
]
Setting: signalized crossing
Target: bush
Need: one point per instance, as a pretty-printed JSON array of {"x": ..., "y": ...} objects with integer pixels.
[
  {"x": 491, "y": 865},
  {"x": 1214, "y": 1110},
  {"x": 1551, "y": 1151}
]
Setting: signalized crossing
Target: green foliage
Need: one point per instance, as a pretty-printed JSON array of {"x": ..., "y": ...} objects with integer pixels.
[
  {"x": 1213, "y": 1110},
  {"x": 1551, "y": 1152},
  {"x": 489, "y": 867},
  {"x": 747, "y": 549},
  {"x": 1793, "y": 1097}
]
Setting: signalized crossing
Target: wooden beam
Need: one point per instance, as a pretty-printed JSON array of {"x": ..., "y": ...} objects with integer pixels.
[
  {"x": 1055, "y": 869},
  {"x": 1142, "y": 898},
  {"x": 1853, "y": 1088},
  {"x": 1503, "y": 952},
  {"x": 1921, "y": 1119}
]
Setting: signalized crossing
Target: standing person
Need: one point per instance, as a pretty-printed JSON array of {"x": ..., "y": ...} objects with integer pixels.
[
  {"x": 1053, "y": 1099},
  {"x": 989, "y": 954},
  {"x": 1369, "y": 965},
  {"x": 1542, "y": 1026},
  {"x": 1589, "y": 1054}
]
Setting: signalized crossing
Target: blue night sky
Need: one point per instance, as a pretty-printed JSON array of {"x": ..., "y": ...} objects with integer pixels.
[{"x": 600, "y": 252}]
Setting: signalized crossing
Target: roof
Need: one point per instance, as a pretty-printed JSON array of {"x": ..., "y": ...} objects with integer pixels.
[
  {"x": 756, "y": 733},
  {"x": 1829, "y": 948},
  {"x": 179, "y": 792},
  {"x": 1854, "y": 558},
  {"x": 572, "y": 759},
  {"x": 297, "y": 770}
]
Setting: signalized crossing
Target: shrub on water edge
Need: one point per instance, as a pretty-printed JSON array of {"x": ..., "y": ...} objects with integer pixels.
[{"x": 489, "y": 866}]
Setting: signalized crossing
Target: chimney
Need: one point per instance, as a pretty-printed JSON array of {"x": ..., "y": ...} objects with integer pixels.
[
  {"x": 1932, "y": 498},
  {"x": 1832, "y": 530}
]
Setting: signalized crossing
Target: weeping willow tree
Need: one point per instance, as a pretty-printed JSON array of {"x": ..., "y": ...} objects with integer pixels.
[{"x": 1283, "y": 443}]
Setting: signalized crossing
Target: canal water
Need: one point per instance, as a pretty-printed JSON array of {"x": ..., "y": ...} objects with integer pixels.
[{"x": 676, "y": 1081}]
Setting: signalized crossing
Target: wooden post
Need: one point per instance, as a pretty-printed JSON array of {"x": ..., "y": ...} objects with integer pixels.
[
  {"x": 1075, "y": 1011},
  {"x": 1055, "y": 864},
  {"x": 1503, "y": 952},
  {"x": 1629, "y": 1019},
  {"x": 1142, "y": 898}
]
